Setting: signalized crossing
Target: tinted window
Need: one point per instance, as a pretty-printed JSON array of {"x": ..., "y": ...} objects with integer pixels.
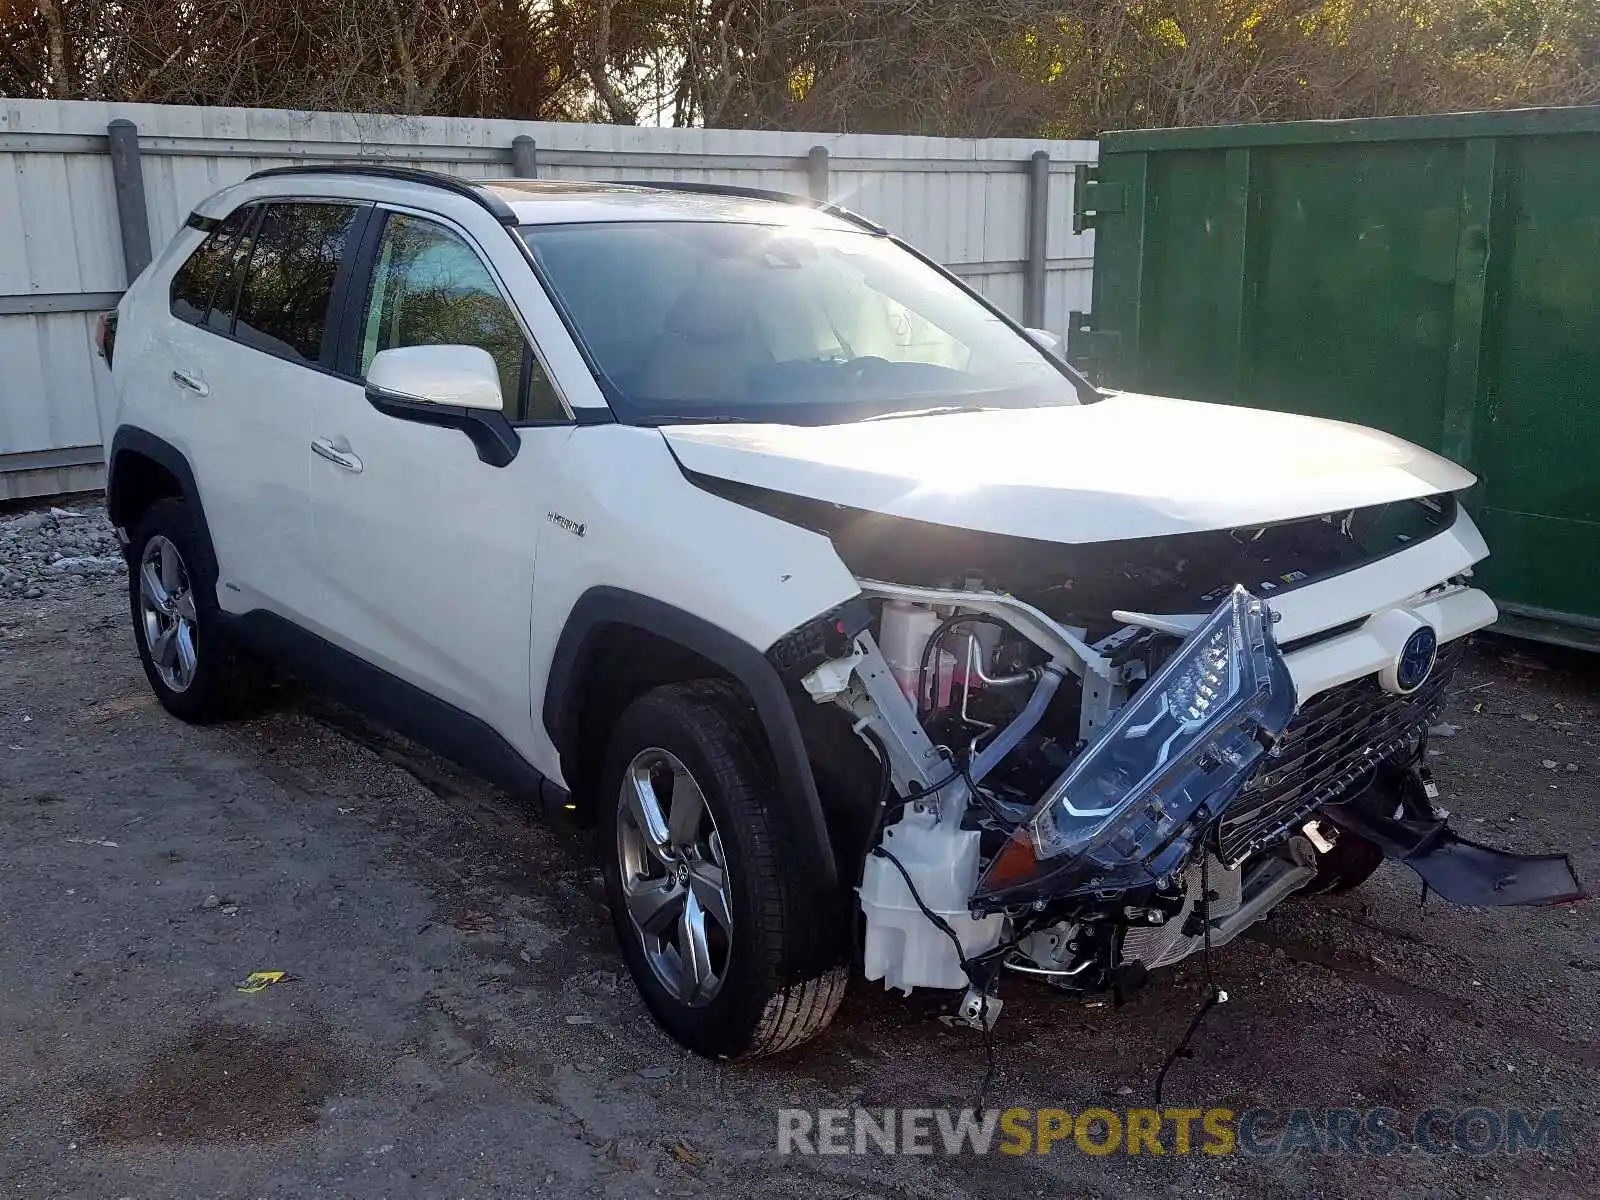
[
  {"x": 430, "y": 288},
  {"x": 196, "y": 282},
  {"x": 220, "y": 315},
  {"x": 283, "y": 306}
]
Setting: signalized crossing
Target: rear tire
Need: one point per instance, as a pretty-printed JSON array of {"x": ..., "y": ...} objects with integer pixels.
[
  {"x": 196, "y": 673},
  {"x": 757, "y": 985}
]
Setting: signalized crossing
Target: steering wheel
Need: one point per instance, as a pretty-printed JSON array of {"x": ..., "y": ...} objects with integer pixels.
[{"x": 860, "y": 368}]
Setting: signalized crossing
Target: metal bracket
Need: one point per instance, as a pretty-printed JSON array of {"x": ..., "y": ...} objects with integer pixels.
[
  {"x": 976, "y": 1011},
  {"x": 1087, "y": 345},
  {"x": 876, "y": 701},
  {"x": 1092, "y": 199}
]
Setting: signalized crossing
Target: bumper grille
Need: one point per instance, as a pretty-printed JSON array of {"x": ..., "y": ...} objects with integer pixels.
[{"x": 1334, "y": 741}]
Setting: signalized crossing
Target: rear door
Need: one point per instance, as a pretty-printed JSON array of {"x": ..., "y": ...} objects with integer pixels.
[
  {"x": 262, "y": 378},
  {"x": 426, "y": 553},
  {"x": 196, "y": 374}
]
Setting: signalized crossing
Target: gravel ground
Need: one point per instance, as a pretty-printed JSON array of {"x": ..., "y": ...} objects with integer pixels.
[
  {"x": 62, "y": 547},
  {"x": 454, "y": 1020}
]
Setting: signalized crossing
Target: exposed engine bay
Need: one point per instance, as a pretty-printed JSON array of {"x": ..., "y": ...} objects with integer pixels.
[{"x": 1082, "y": 794}]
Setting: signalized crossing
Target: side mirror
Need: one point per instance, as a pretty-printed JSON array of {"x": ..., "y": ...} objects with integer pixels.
[
  {"x": 1045, "y": 339},
  {"x": 456, "y": 387},
  {"x": 464, "y": 376}
]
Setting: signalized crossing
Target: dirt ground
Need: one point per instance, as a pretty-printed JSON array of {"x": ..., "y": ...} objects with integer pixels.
[{"x": 456, "y": 1022}]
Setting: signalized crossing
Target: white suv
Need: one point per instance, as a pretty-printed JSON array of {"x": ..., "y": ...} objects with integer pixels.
[{"x": 869, "y": 632}]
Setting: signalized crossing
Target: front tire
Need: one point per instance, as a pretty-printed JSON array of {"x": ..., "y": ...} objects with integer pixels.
[
  {"x": 719, "y": 929},
  {"x": 194, "y": 671}
]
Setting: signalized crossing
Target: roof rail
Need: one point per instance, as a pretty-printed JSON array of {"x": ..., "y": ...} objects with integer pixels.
[
  {"x": 450, "y": 183},
  {"x": 750, "y": 193}
]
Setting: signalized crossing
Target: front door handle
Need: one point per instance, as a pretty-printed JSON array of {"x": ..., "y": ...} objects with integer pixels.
[
  {"x": 190, "y": 382},
  {"x": 337, "y": 451}
]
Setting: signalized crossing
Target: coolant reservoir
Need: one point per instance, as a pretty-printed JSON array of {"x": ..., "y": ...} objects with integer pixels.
[
  {"x": 904, "y": 948},
  {"x": 905, "y": 631}
]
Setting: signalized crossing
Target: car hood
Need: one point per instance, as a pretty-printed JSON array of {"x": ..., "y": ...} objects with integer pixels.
[{"x": 1130, "y": 466}]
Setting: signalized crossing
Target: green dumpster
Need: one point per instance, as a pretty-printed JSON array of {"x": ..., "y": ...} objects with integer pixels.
[{"x": 1437, "y": 277}]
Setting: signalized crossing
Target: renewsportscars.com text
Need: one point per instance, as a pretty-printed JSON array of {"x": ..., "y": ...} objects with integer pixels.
[{"x": 1258, "y": 1132}]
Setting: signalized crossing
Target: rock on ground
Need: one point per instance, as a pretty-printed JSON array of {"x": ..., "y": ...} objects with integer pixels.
[{"x": 55, "y": 551}]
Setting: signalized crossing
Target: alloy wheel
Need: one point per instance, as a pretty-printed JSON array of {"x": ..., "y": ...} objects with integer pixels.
[
  {"x": 674, "y": 876},
  {"x": 166, "y": 608}
]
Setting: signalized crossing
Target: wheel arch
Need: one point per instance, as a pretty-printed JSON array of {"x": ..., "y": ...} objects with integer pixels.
[
  {"x": 143, "y": 468},
  {"x": 657, "y": 643}
]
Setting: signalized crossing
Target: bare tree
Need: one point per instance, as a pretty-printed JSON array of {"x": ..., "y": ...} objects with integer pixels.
[
  {"x": 954, "y": 67},
  {"x": 56, "y": 44}
]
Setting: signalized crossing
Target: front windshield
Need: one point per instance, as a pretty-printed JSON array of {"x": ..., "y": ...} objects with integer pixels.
[{"x": 700, "y": 321}]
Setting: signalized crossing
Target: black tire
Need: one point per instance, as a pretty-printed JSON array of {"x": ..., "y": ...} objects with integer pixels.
[
  {"x": 226, "y": 683},
  {"x": 785, "y": 969}
]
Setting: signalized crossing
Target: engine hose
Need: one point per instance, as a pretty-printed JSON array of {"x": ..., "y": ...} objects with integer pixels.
[
  {"x": 932, "y": 646},
  {"x": 1008, "y": 738}
]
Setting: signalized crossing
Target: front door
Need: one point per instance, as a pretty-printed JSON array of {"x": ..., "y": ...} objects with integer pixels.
[{"x": 426, "y": 553}]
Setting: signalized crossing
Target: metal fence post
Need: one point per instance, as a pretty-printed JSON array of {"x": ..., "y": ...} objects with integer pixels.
[
  {"x": 817, "y": 173},
  {"x": 524, "y": 157},
  {"x": 1034, "y": 273},
  {"x": 127, "y": 177}
]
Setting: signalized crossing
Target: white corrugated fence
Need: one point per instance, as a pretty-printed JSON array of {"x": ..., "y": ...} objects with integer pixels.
[{"x": 71, "y": 224}]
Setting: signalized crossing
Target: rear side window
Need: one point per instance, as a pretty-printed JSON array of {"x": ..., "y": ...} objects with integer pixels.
[
  {"x": 198, "y": 281},
  {"x": 283, "y": 305}
]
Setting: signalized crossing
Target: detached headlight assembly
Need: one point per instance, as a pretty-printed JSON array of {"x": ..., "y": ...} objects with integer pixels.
[{"x": 1128, "y": 809}]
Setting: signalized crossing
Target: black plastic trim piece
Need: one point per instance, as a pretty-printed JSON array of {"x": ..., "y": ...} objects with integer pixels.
[
  {"x": 394, "y": 702},
  {"x": 353, "y": 303},
  {"x": 203, "y": 223},
  {"x": 130, "y": 440},
  {"x": 243, "y": 250},
  {"x": 580, "y": 416},
  {"x": 493, "y": 436},
  {"x": 753, "y": 193},
  {"x": 498, "y": 208},
  {"x": 343, "y": 275},
  {"x": 600, "y": 607},
  {"x": 1395, "y": 814},
  {"x": 1322, "y": 635}
]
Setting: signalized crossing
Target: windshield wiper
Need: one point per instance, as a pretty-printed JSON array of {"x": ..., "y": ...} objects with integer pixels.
[{"x": 942, "y": 410}]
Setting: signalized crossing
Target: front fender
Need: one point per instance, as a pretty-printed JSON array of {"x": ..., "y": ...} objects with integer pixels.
[{"x": 602, "y": 607}]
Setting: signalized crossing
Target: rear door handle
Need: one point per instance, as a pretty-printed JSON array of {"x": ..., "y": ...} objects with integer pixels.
[
  {"x": 337, "y": 451},
  {"x": 191, "y": 382}
]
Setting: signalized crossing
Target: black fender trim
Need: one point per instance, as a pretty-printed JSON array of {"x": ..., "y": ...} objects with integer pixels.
[
  {"x": 134, "y": 440},
  {"x": 603, "y": 606}
]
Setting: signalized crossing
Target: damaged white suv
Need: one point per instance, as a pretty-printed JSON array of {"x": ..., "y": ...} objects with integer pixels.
[{"x": 872, "y": 636}]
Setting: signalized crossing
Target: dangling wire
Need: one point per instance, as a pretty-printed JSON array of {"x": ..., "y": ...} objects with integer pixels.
[
  {"x": 1214, "y": 994},
  {"x": 887, "y": 801}
]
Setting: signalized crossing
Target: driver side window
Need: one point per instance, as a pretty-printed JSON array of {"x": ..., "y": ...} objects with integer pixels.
[{"x": 430, "y": 288}]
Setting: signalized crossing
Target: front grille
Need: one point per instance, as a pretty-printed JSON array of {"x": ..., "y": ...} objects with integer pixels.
[{"x": 1334, "y": 742}]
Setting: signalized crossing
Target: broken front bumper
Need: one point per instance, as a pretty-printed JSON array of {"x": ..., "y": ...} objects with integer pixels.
[
  {"x": 1395, "y": 814},
  {"x": 1213, "y": 742}
]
